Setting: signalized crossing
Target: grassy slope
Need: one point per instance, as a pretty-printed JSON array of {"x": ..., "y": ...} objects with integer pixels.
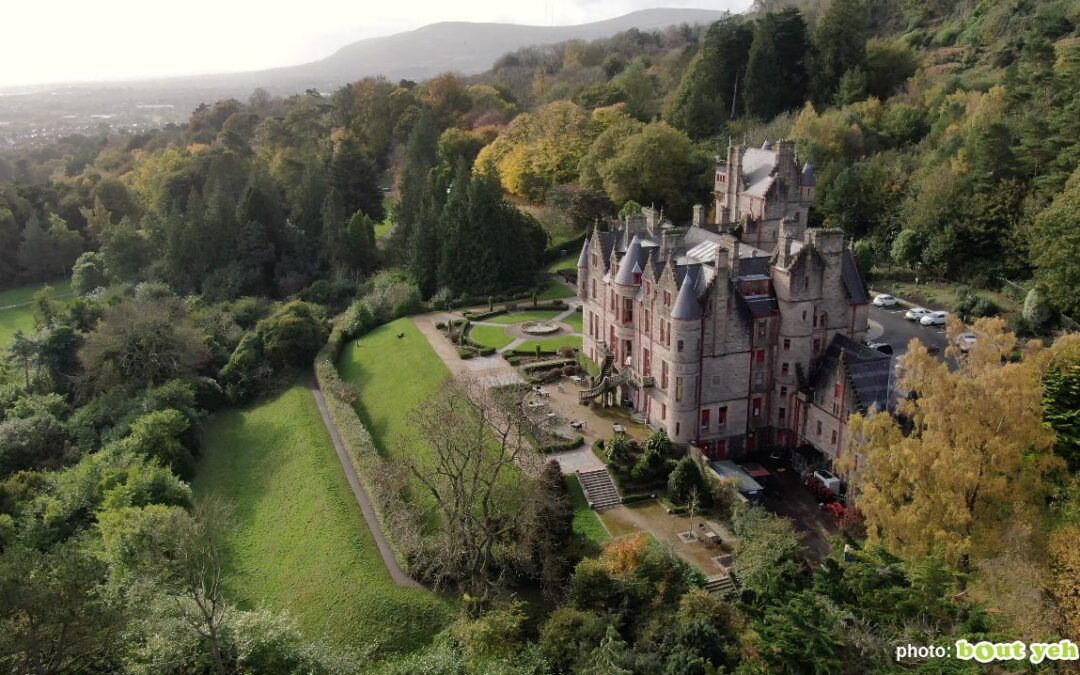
[
  {"x": 301, "y": 543},
  {"x": 490, "y": 336},
  {"x": 556, "y": 289},
  {"x": 392, "y": 377},
  {"x": 568, "y": 262},
  {"x": 586, "y": 522}
]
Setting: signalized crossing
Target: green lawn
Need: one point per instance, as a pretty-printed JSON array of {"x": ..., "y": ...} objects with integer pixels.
[
  {"x": 301, "y": 543},
  {"x": 557, "y": 289},
  {"x": 526, "y": 315},
  {"x": 586, "y": 522},
  {"x": 21, "y": 318},
  {"x": 392, "y": 376},
  {"x": 490, "y": 336},
  {"x": 567, "y": 263},
  {"x": 577, "y": 321},
  {"x": 550, "y": 344}
]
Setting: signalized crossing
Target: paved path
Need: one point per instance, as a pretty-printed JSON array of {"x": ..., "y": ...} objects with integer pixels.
[{"x": 396, "y": 573}]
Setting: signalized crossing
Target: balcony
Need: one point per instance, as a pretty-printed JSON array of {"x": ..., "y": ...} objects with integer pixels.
[{"x": 639, "y": 381}]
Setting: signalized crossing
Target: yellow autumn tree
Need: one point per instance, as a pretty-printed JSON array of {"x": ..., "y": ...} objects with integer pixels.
[{"x": 974, "y": 460}]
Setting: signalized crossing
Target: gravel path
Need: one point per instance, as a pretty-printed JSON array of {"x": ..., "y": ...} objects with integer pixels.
[{"x": 396, "y": 573}]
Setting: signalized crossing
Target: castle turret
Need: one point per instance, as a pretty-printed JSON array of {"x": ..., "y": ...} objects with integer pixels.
[
  {"x": 807, "y": 183},
  {"x": 583, "y": 271}
]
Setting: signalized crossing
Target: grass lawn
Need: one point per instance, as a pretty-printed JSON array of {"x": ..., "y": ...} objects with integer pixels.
[
  {"x": 383, "y": 228},
  {"x": 490, "y": 336},
  {"x": 392, "y": 377},
  {"x": 301, "y": 543},
  {"x": 586, "y": 522},
  {"x": 556, "y": 289},
  {"x": 933, "y": 294},
  {"x": 551, "y": 344},
  {"x": 527, "y": 315},
  {"x": 568, "y": 262},
  {"x": 576, "y": 320},
  {"x": 21, "y": 318}
]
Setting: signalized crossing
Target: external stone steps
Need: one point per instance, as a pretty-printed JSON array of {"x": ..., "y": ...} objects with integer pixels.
[
  {"x": 720, "y": 584},
  {"x": 599, "y": 489}
]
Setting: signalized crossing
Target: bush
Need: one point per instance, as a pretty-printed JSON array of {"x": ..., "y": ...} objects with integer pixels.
[
  {"x": 984, "y": 306},
  {"x": 293, "y": 334},
  {"x": 561, "y": 446},
  {"x": 686, "y": 479},
  {"x": 466, "y": 352}
]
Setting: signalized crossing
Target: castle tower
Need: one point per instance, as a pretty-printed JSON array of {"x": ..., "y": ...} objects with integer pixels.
[
  {"x": 583, "y": 271},
  {"x": 685, "y": 356}
]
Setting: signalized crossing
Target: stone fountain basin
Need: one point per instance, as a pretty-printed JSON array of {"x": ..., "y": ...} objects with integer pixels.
[{"x": 540, "y": 327}]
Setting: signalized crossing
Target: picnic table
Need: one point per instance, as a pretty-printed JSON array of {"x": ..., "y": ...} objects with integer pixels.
[{"x": 577, "y": 425}]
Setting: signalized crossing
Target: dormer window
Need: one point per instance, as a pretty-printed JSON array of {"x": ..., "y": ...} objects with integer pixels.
[{"x": 637, "y": 278}]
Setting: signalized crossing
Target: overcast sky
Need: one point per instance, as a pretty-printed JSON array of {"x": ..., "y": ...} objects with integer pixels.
[{"x": 79, "y": 40}]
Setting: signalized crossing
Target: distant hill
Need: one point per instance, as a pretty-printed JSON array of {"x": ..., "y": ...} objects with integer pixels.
[{"x": 462, "y": 47}]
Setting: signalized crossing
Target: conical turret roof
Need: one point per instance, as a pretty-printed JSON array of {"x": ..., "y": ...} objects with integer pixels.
[
  {"x": 686, "y": 304},
  {"x": 630, "y": 265}
]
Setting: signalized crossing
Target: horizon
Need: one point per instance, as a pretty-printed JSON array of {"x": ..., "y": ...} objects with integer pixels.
[{"x": 272, "y": 40}]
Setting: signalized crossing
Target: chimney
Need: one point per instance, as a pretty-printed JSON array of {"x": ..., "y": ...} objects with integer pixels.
[
  {"x": 699, "y": 215},
  {"x": 651, "y": 219},
  {"x": 668, "y": 243}
]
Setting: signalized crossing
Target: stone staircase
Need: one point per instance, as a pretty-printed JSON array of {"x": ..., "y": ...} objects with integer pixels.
[
  {"x": 599, "y": 489},
  {"x": 721, "y": 584}
]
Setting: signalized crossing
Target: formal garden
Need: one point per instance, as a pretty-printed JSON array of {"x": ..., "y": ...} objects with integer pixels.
[{"x": 542, "y": 329}]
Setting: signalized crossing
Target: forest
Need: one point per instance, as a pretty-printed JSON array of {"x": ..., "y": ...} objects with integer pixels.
[{"x": 212, "y": 263}]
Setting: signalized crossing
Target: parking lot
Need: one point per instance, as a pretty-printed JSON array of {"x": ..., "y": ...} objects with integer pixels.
[{"x": 899, "y": 331}]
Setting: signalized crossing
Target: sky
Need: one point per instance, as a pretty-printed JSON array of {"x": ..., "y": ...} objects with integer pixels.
[{"x": 49, "y": 41}]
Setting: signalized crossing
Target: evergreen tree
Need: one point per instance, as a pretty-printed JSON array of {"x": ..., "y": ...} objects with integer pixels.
[
  {"x": 765, "y": 86},
  {"x": 354, "y": 175},
  {"x": 34, "y": 250},
  {"x": 704, "y": 100},
  {"x": 9, "y": 246},
  {"x": 840, "y": 45}
]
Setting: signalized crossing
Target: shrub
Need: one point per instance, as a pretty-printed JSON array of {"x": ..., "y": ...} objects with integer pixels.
[
  {"x": 466, "y": 352},
  {"x": 685, "y": 479},
  {"x": 513, "y": 360},
  {"x": 561, "y": 446},
  {"x": 293, "y": 334},
  {"x": 984, "y": 306}
]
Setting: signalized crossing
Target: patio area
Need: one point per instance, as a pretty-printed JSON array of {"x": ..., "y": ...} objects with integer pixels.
[{"x": 651, "y": 517}]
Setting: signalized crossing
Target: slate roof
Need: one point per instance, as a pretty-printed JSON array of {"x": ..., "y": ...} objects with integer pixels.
[
  {"x": 808, "y": 175},
  {"x": 583, "y": 259},
  {"x": 853, "y": 282},
  {"x": 686, "y": 305},
  {"x": 868, "y": 370},
  {"x": 630, "y": 265}
]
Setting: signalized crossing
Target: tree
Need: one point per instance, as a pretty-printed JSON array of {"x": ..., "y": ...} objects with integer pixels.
[
  {"x": 474, "y": 446},
  {"x": 88, "y": 274},
  {"x": 768, "y": 556},
  {"x": 776, "y": 77},
  {"x": 639, "y": 92},
  {"x": 710, "y": 89},
  {"x": 354, "y": 175},
  {"x": 142, "y": 342},
  {"x": 1055, "y": 247},
  {"x": 658, "y": 166},
  {"x": 840, "y": 45},
  {"x": 292, "y": 334},
  {"x": 1061, "y": 408},
  {"x": 975, "y": 459},
  {"x": 686, "y": 480}
]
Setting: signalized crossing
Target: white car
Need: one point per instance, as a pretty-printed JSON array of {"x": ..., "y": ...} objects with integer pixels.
[
  {"x": 965, "y": 342},
  {"x": 934, "y": 319},
  {"x": 884, "y": 300},
  {"x": 916, "y": 313}
]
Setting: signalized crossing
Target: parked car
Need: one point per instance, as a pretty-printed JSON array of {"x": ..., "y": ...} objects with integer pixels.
[
  {"x": 883, "y": 300},
  {"x": 934, "y": 319},
  {"x": 965, "y": 342},
  {"x": 829, "y": 480},
  {"x": 916, "y": 313},
  {"x": 883, "y": 347}
]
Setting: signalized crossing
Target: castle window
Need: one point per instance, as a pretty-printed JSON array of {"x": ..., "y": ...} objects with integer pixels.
[
  {"x": 646, "y": 362},
  {"x": 783, "y": 391},
  {"x": 834, "y": 436},
  {"x": 817, "y": 345},
  {"x": 663, "y": 375},
  {"x": 837, "y": 390},
  {"x": 628, "y": 310},
  {"x": 759, "y": 377},
  {"x": 759, "y": 357},
  {"x": 761, "y": 328},
  {"x": 705, "y": 419},
  {"x": 678, "y": 429},
  {"x": 780, "y": 414},
  {"x": 667, "y": 299},
  {"x": 593, "y": 288},
  {"x": 721, "y": 416},
  {"x": 784, "y": 368},
  {"x": 806, "y": 282},
  {"x": 824, "y": 320},
  {"x": 755, "y": 406},
  {"x": 646, "y": 325},
  {"x": 663, "y": 411},
  {"x": 787, "y": 344},
  {"x": 679, "y": 346},
  {"x": 678, "y": 388},
  {"x": 819, "y": 427},
  {"x": 804, "y": 315}
]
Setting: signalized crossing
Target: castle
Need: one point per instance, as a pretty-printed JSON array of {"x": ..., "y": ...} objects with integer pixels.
[{"x": 737, "y": 335}]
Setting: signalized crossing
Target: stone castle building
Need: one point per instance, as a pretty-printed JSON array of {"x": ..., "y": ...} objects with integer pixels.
[{"x": 737, "y": 335}]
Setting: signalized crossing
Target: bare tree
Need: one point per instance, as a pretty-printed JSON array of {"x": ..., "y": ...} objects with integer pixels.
[
  {"x": 475, "y": 449},
  {"x": 199, "y": 560}
]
